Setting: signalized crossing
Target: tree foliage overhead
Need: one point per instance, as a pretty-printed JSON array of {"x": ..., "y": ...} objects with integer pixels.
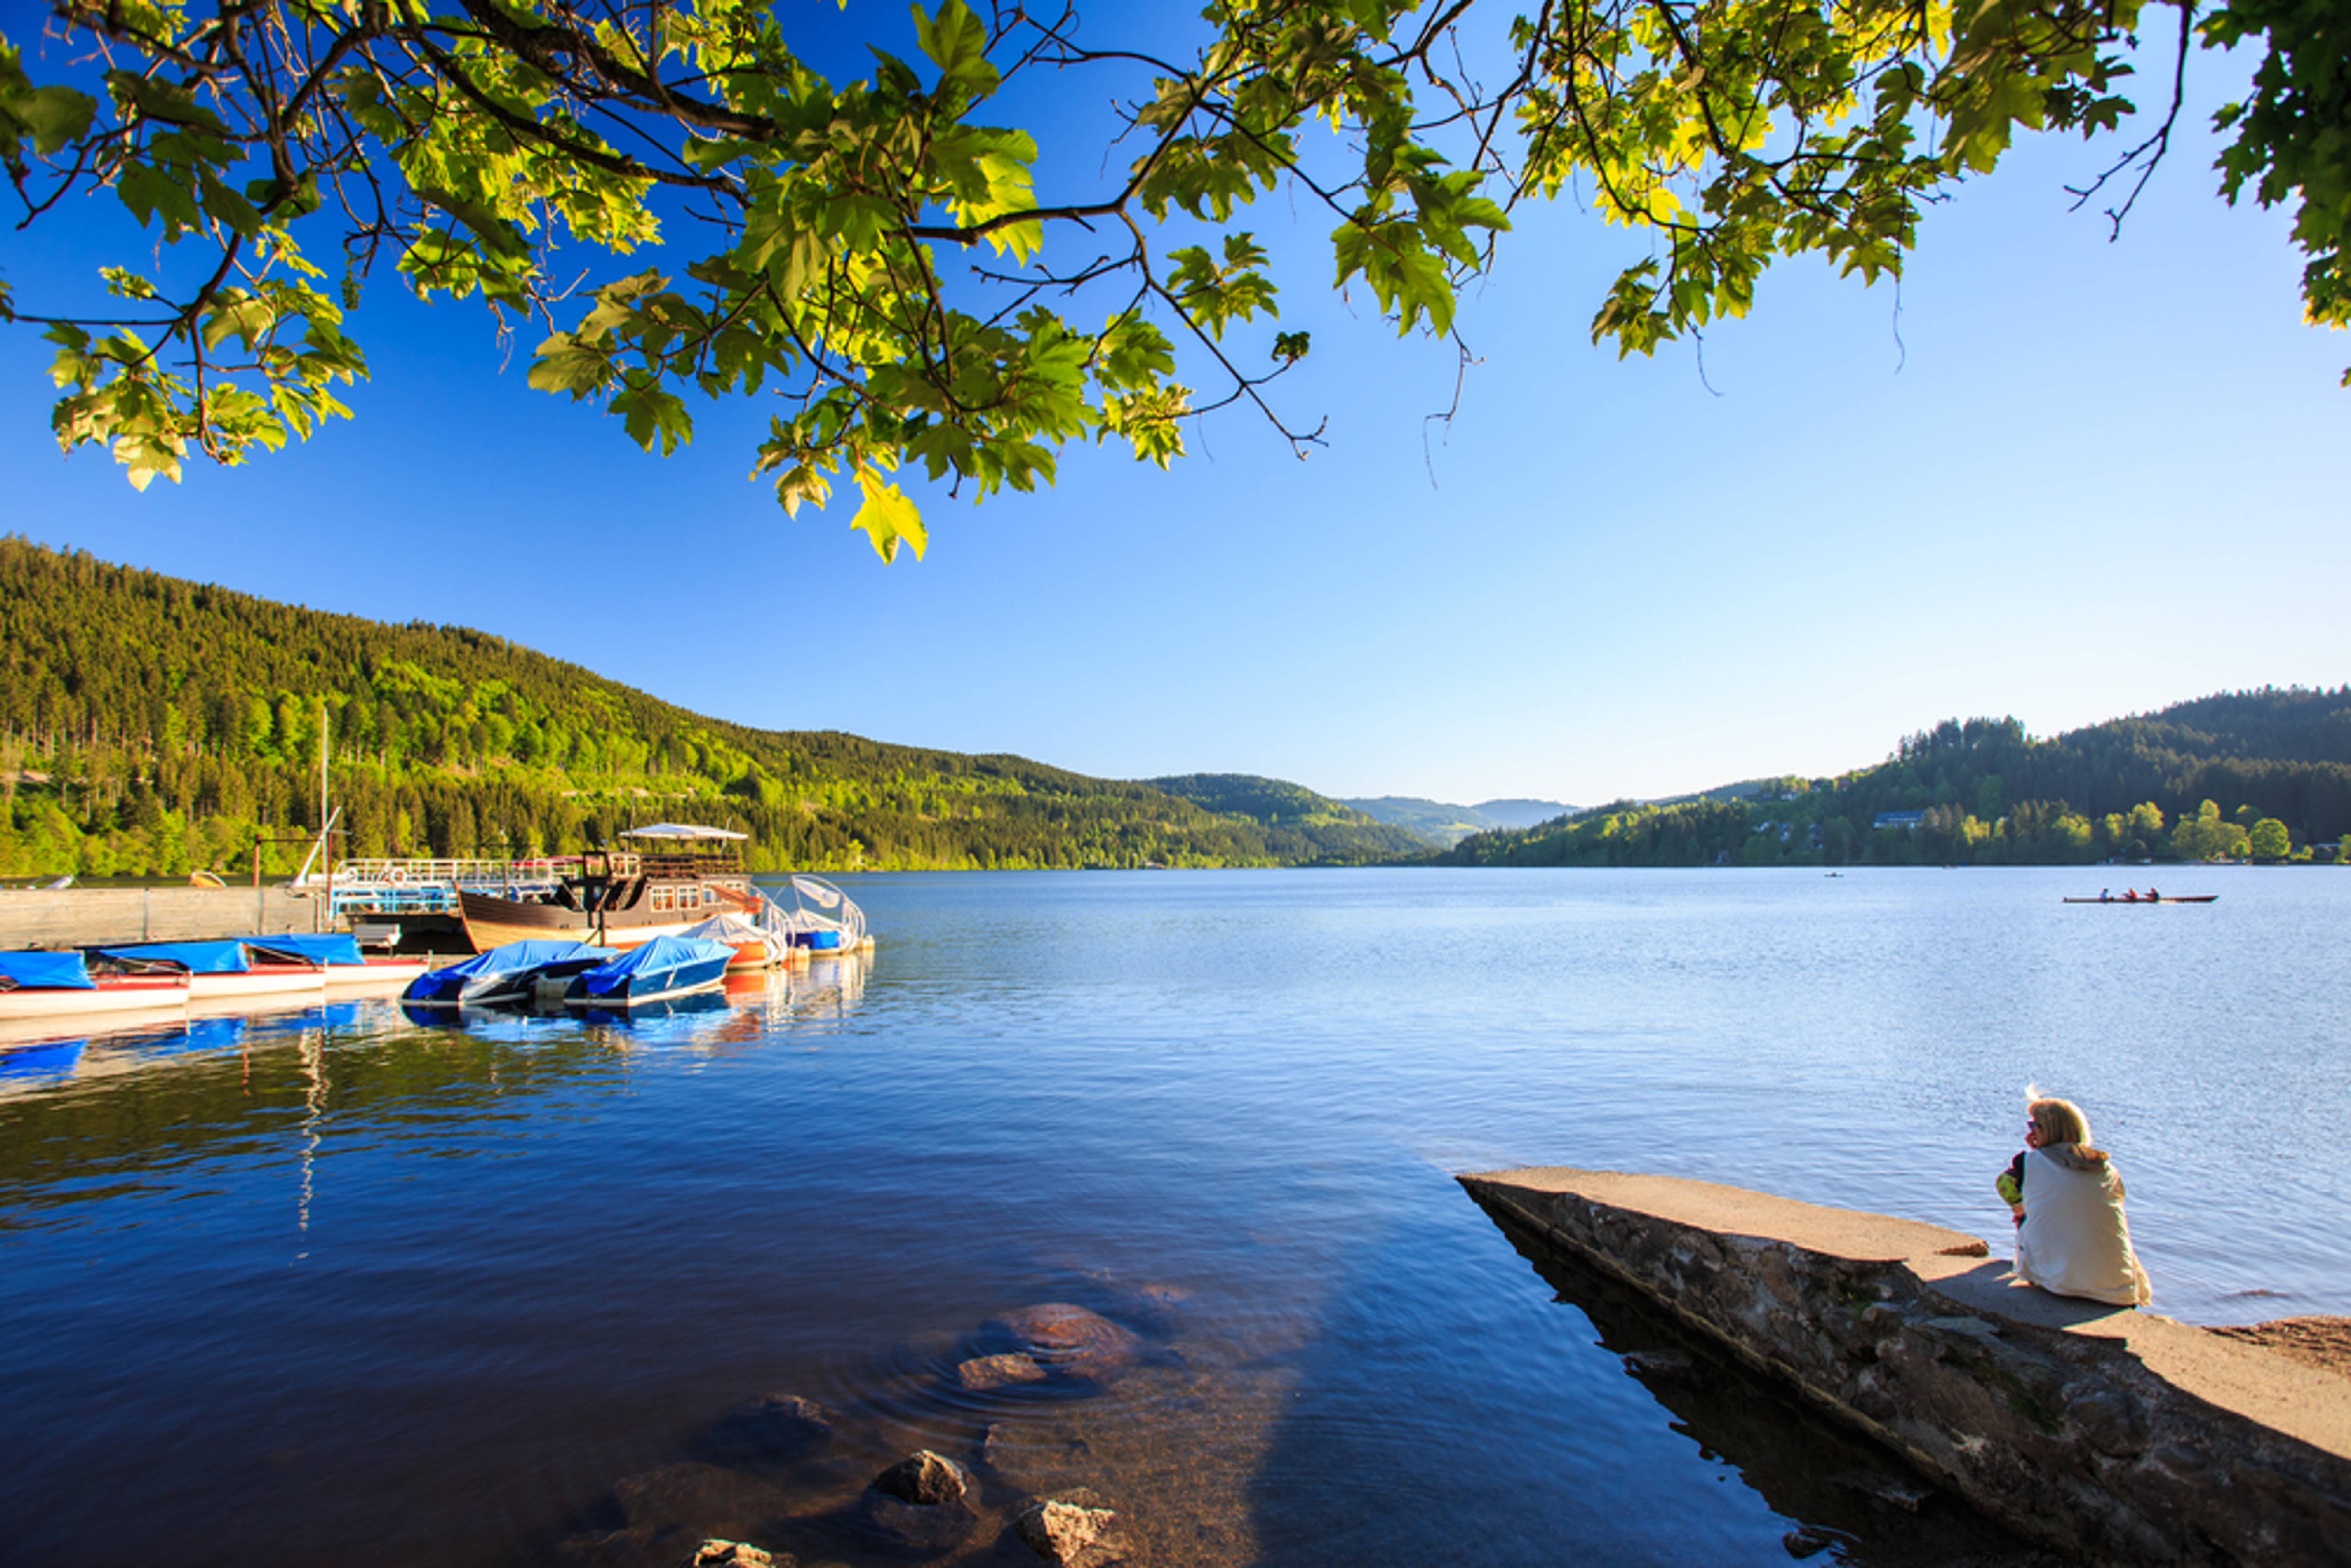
[{"x": 874, "y": 254}]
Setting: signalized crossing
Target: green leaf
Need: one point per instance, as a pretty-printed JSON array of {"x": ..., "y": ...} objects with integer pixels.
[{"x": 888, "y": 518}]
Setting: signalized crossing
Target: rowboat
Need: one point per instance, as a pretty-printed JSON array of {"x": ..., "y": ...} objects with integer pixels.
[
  {"x": 347, "y": 968},
  {"x": 216, "y": 970},
  {"x": 60, "y": 985},
  {"x": 2166, "y": 898}
]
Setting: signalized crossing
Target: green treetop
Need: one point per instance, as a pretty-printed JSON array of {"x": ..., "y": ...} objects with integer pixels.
[{"x": 875, "y": 256}]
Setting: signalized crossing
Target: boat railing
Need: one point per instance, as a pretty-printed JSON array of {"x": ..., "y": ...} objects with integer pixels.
[
  {"x": 424, "y": 887},
  {"x": 682, "y": 866}
]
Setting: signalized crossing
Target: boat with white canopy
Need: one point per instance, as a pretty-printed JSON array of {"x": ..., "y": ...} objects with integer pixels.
[{"x": 674, "y": 876}]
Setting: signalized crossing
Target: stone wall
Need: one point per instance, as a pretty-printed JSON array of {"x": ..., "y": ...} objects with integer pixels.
[{"x": 2115, "y": 1436}]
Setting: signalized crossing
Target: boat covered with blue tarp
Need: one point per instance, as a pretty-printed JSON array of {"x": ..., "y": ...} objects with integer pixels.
[
  {"x": 503, "y": 974},
  {"x": 654, "y": 971},
  {"x": 323, "y": 947},
  {"x": 41, "y": 986},
  {"x": 195, "y": 957},
  {"x": 223, "y": 969},
  {"x": 45, "y": 972}
]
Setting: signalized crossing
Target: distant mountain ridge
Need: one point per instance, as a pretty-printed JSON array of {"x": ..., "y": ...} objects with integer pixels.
[{"x": 1448, "y": 824}]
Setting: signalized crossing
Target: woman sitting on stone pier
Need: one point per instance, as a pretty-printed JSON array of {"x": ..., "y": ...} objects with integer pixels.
[{"x": 2072, "y": 1239}]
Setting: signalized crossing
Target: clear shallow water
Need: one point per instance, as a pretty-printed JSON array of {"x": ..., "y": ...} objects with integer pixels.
[{"x": 277, "y": 1287}]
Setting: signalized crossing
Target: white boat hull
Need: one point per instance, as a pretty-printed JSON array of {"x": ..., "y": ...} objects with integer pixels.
[
  {"x": 269, "y": 982},
  {"x": 106, "y": 999}
]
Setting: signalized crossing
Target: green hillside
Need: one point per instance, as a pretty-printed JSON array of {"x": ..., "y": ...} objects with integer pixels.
[
  {"x": 1307, "y": 826},
  {"x": 151, "y": 726},
  {"x": 2263, "y": 775}
]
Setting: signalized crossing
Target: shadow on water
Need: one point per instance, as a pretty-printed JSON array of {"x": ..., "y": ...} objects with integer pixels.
[
  {"x": 1585, "y": 1427},
  {"x": 1838, "y": 1492}
]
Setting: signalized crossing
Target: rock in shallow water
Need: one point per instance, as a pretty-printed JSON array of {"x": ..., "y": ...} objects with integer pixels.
[
  {"x": 1070, "y": 1532},
  {"x": 771, "y": 1426},
  {"x": 1070, "y": 1341},
  {"x": 982, "y": 1373},
  {"x": 923, "y": 1502},
  {"x": 703, "y": 1498},
  {"x": 737, "y": 1555}
]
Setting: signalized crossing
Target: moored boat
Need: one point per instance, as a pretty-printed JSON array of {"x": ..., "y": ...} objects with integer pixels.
[
  {"x": 821, "y": 918},
  {"x": 59, "y": 985},
  {"x": 507, "y": 973},
  {"x": 755, "y": 948},
  {"x": 220, "y": 969},
  {"x": 347, "y": 968},
  {"x": 626, "y": 897},
  {"x": 655, "y": 971}
]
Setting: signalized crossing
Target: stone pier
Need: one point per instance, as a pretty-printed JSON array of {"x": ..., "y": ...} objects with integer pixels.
[{"x": 2113, "y": 1435}]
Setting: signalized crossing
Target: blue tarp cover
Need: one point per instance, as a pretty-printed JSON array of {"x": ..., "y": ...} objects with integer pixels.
[
  {"x": 46, "y": 971},
  {"x": 196, "y": 957},
  {"x": 327, "y": 948},
  {"x": 661, "y": 953},
  {"x": 529, "y": 954},
  {"x": 457, "y": 979}
]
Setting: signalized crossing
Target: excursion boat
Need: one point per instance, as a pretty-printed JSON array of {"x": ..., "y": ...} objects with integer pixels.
[
  {"x": 624, "y": 898},
  {"x": 657, "y": 971},
  {"x": 221, "y": 969},
  {"x": 347, "y": 968},
  {"x": 60, "y": 985},
  {"x": 507, "y": 973}
]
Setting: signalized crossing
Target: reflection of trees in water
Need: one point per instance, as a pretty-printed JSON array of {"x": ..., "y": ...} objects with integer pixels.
[{"x": 90, "y": 1117}]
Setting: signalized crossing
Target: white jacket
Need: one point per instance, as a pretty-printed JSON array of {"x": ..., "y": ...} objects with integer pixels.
[{"x": 2075, "y": 1240}]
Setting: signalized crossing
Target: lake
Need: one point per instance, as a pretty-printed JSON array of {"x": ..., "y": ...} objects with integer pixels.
[{"x": 336, "y": 1284}]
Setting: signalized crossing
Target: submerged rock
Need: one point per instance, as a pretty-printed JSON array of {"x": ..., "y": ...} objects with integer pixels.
[
  {"x": 1069, "y": 1340},
  {"x": 922, "y": 1502},
  {"x": 701, "y": 1500},
  {"x": 771, "y": 1426},
  {"x": 982, "y": 1373},
  {"x": 925, "y": 1477}
]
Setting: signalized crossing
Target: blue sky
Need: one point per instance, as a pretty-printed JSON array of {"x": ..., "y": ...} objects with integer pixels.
[{"x": 2053, "y": 476}]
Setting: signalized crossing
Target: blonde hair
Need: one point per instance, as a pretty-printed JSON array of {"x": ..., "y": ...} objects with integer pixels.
[{"x": 2060, "y": 1122}]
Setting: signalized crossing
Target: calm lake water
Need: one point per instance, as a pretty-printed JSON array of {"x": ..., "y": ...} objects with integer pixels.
[{"x": 335, "y": 1285}]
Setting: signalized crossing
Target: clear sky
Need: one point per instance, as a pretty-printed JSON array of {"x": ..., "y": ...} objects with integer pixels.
[{"x": 2053, "y": 476}]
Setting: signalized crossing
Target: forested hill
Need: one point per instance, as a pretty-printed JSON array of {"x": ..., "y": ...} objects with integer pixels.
[
  {"x": 2265, "y": 775},
  {"x": 153, "y": 725},
  {"x": 1283, "y": 808}
]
